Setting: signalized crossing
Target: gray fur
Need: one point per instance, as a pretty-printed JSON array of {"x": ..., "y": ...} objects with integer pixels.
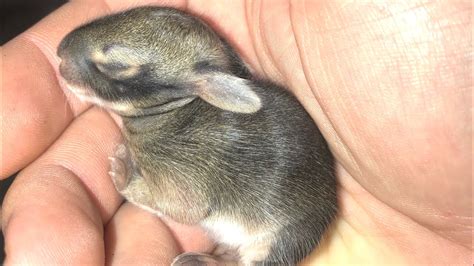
[{"x": 248, "y": 154}]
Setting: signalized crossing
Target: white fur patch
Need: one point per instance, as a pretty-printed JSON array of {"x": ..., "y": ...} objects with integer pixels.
[
  {"x": 251, "y": 246},
  {"x": 231, "y": 233},
  {"x": 86, "y": 95},
  {"x": 228, "y": 232}
]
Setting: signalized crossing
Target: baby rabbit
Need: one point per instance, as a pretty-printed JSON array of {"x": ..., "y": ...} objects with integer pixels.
[{"x": 207, "y": 142}]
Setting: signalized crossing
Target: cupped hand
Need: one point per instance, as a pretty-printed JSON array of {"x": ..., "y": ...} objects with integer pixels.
[{"x": 388, "y": 84}]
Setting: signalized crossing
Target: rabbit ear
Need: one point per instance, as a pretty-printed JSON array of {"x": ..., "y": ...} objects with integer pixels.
[{"x": 229, "y": 93}]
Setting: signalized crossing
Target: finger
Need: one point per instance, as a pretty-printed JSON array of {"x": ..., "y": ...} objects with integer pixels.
[
  {"x": 42, "y": 227},
  {"x": 34, "y": 108},
  {"x": 55, "y": 210},
  {"x": 135, "y": 236},
  {"x": 34, "y": 111},
  {"x": 84, "y": 150},
  {"x": 139, "y": 237}
]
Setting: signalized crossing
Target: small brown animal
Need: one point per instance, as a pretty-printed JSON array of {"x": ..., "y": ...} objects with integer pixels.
[{"x": 207, "y": 142}]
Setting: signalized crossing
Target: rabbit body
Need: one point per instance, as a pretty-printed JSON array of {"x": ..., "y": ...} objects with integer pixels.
[{"x": 206, "y": 142}]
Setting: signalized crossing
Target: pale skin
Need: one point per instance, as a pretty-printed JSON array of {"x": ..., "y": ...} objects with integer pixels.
[{"x": 389, "y": 86}]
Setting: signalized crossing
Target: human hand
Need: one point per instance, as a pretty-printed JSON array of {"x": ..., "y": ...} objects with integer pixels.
[{"x": 389, "y": 86}]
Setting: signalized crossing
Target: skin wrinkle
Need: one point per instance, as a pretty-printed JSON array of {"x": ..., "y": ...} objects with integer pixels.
[
  {"x": 263, "y": 30},
  {"x": 295, "y": 82},
  {"x": 40, "y": 42},
  {"x": 247, "y": 8},
  {"x": 368, "y": 211},
  {"x": 348, "y": 241},
  {"x": 310, "y": 79},
  {"x": 253, "y": 36},
  {"x": 375, "y": 221},
  {"x": 278, "y": 58},
  {"x": 289, "y": 54},
  {"x": 259, "y": 42},
  {"x": 364, "y": 209},
  {"x": 390, "y": 209},
  {"x": 248, "y": 20}
]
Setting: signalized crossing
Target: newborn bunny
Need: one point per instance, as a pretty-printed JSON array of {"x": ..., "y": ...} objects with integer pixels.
[{"x": 206, "y": 142}]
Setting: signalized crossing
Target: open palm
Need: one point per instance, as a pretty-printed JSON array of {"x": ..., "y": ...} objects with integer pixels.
[{"x": 388, "y": 85}]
